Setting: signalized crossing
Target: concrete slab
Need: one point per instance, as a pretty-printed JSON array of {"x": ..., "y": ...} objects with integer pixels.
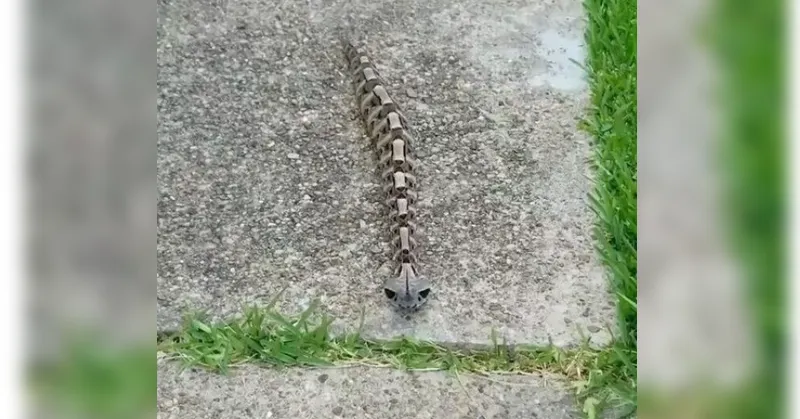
[
  {"x": 266, "y": 182},
  {"x": 252, "y": 392}
]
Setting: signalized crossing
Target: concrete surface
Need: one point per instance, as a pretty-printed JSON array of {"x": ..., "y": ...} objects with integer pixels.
[
  {"x": 266, "y": 182},
  {"x": 252, "y": 392}
]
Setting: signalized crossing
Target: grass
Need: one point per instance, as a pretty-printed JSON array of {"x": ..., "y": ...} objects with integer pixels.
[
  {"x": 92, "y": 380},
  {"x": 748, "y": 45},
  {"x": 612, "y": 122},
  {"x": 611, "y": 37},
  {"x": 748, "y": 41},
  {"x": 264, "y": 336}
]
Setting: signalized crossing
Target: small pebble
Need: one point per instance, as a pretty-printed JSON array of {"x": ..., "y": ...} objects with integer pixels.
[
  {"x": 337, "y": 410},
  {"x": 593, "y": 328},
  {"x": 293, "y": 156},
  {"x": 411, "y": 93}
]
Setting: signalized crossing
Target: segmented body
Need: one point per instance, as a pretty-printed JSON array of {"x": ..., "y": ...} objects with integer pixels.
[{"x": 388, "y": 130}]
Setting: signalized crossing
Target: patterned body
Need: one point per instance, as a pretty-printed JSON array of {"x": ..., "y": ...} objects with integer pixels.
[{"x": 388, "y": 131}]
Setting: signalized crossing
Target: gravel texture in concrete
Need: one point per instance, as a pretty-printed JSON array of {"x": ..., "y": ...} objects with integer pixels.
[
  {"x": 266, "y": 182},
  {"x": 252, "y": 392}
]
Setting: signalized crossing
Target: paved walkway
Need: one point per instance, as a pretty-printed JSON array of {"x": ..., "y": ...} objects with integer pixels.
[
  {"x": 265, "y": 181},
  {"x": 252, "y": 392}
]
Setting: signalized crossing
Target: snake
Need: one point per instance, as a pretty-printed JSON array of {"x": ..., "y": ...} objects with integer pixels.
[{"x": 389, "y": 132}]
